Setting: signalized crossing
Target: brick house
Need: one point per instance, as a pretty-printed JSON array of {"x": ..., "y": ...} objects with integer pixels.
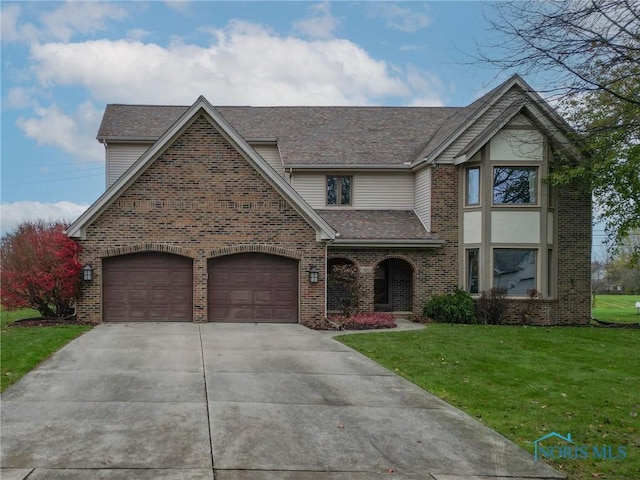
[{"x": 226, "y": 213}]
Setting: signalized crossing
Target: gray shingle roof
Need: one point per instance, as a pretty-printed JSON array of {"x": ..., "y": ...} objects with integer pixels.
[
  {"x": 306, "y": 135},
  {"x": 377, "y": 225}
]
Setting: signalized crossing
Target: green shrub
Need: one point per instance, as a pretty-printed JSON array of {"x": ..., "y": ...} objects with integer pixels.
[{"x": 457, "y": 307}]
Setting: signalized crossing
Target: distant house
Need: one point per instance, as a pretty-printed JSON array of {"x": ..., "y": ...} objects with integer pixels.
[{"x": 226, "y": 213}]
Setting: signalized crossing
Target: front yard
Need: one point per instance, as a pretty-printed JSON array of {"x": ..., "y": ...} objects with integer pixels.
[
  {"x": 526, "y": 382},
  {"x": 23, "y": 348},
  {"x": 616, "y": 308}
]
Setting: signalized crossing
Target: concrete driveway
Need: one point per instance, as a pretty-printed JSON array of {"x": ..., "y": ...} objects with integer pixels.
[{"x": 236, "y": 402}]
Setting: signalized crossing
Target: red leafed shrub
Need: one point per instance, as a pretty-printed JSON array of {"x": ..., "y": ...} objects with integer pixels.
[
  {"x": 366, "y": 321},
  {"x": 40, "y": 269}
]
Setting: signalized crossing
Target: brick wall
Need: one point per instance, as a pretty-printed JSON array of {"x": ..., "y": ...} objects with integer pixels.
[
  {"x": 199, "y": 198},
  {"x": 574, "y": 256}
]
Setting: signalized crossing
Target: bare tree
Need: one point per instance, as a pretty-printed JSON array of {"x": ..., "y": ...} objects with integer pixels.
[
  {"x": 586, "y": 54},
  {"x": 570, "y": 43}
]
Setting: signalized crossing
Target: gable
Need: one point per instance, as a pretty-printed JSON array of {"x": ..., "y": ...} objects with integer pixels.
[
  {"x": 200, "y": 183},
  {"x": 171, "y": 138}
]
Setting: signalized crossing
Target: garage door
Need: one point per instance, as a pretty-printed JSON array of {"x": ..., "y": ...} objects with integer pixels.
[
  {"x": 253, "y": 287},
  {"x": 147, "y": 287}
]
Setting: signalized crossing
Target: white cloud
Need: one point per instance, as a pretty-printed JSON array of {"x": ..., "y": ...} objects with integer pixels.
[
  {"x": 19, "y": 97},
  {"x": 73, "y": 134},
  {"x": 319, "y": 24},
  {"x": 9, "y": 19},
  {"x": 62, "y": 23},
  {"x": 137, "y": 34},
  {"x": 181, "y": 6},
  {"x": 13, "y": 214},
  {"x": 244, "y": 64},
  {"x": 399, "y": 18},
  {"x": 427, "y": 84}
]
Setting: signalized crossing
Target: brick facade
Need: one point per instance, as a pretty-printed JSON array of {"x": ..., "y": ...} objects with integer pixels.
[{"x": 201, "y": 199}]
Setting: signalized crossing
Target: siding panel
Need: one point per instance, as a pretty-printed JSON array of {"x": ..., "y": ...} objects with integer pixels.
[
  {"x": 121, "y": 156},
  {"x": 311, "y": 187},
  {"x": 272, "y": 155},
  {"x": 384, "y": 191},
  {"x": 423, "y": 197}
]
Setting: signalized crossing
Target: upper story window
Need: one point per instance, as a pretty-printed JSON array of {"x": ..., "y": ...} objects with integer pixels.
[
  {"x": 515, "y": 185},
  {"x": 472, "y": 186},
  {"x": 339, "y": 190}
]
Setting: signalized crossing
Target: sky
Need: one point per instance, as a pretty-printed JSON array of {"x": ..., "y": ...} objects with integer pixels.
[{"x": 62, "y": 62}]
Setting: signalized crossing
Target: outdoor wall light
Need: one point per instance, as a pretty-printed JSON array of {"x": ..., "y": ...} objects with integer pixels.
[
  {"x": 314, "y": 274},
  {"x": 87, "y": 272}
]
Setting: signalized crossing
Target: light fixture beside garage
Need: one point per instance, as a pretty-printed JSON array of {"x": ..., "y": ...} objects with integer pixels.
[
  {"x": 314, "y": 274},
  {"x": 87, "y": 272}
]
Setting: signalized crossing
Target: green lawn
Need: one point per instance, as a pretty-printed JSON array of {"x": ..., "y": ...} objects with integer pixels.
[
  {"x": 617, "y": 308},
  {"x": 526, "y": 382},
  {"x": 23, "y": 348}
]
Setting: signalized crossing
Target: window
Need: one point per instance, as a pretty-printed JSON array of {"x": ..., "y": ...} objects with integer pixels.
[
  {"x": 473, "y": 278},
  {"x": 514, "y": 269},
  {"x": 339, "y": 190},
  {"x": 515, "y": 185},
  {"x": 473, "y": 186}
]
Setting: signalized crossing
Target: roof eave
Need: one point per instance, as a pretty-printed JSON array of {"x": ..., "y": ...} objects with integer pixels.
[
  {"x": 347, "y": 167},
  {"x": 391, "y": 243},
  {"x": 324, "y": 231}
]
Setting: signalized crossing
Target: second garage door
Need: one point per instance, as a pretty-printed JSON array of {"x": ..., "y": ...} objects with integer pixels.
[
  {"x": 253, "y": 287},
  {"x": 144, "y": 287}
]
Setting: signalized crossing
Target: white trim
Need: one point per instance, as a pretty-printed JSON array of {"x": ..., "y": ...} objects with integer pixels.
[
  {"x": 323, "y": 230},
  {"x": 516, "y": 80}
]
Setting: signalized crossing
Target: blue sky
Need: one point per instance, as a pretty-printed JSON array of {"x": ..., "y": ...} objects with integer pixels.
[{"x": 62, "y": 62}]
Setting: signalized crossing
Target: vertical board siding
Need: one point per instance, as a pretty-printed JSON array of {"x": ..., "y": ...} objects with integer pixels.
[
  {"x": 121, "y": 156},
  {"x": 423, "y": 197},
  {"x": 383, "y": 191}
]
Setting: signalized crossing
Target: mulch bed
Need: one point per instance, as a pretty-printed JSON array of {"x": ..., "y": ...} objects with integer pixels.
[
  {"x": 47, "y": 322},
  {"x": 602, "y": 323}
]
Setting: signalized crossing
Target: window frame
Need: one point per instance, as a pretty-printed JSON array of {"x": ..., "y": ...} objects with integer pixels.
[
  {"x": 467, "y": 184},
  {"x": 536, "y": 266},
  {"x": 536, "y": 191},
  {"x": 338, "y": 191},
  {"x": 468, "y": 270}
]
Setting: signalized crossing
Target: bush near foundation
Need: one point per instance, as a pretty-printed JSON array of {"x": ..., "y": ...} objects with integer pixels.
[{"x": 457, "y": 307}]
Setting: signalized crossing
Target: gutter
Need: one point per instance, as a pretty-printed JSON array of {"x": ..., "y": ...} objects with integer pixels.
[{"x": 374, "y": 243}]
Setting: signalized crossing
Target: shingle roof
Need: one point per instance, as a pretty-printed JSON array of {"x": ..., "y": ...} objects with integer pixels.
[
  {"x": 377, "y": 225},
  {"x": 306, "y": 135}
]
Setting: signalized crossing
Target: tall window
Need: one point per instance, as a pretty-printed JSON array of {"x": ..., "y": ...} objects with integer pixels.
[
  {"x": 515, "y": 185},
  {"x": 514, "y": 269},
  {"x": 473, "y": 270},
  {"x": 339, "y": 190},
  {"x": 473, "y": 186}
]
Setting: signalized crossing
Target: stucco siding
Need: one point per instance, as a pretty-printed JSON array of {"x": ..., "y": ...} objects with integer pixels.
[
  {"x": 472, "y": 227},
  {"x": 524, "y": 145},
  {"x": 515, "y": 227}
]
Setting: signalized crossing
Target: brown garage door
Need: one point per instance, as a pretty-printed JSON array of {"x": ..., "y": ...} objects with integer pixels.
[
  {"x": 147, "y": 287},
  {"x": 253, "y": 287}
]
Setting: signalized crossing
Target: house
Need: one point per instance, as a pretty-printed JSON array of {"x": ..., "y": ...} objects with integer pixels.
[{"x": 237, "y": 213}]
